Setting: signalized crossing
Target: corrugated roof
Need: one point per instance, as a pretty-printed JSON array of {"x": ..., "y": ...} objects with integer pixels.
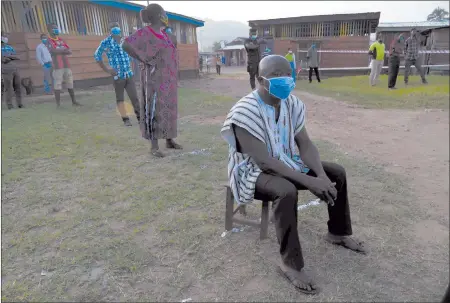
[
  {"x": 319, "y": 18},
  {"x": 407, "y": 26},
  {"x": 415, "y": 24},
  {"x": 233, "y": 47}
]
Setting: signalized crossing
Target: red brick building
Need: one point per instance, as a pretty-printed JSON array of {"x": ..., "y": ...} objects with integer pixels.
[
  {"x": 83, "y": 25},
  {"x": 328, "y": 32}
]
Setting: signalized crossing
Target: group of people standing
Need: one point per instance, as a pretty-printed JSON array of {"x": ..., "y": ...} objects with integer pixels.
[
  {"x": 153, "y": 46},
  {"x": 218, "y": 61},
  {"x": 399, "y": 49}
]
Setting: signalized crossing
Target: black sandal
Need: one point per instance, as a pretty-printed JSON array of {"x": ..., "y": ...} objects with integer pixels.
[
  {"x": 291, "y": 278},
  {"x": 157, "y": 153},
  {"x": 356, "y": 246}
]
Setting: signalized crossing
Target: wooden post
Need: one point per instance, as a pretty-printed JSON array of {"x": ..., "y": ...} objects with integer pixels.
[{"x": 229, "y": 205}]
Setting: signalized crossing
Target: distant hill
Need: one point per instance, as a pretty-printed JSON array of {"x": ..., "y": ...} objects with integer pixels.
[{"x": 219, "y": 30}]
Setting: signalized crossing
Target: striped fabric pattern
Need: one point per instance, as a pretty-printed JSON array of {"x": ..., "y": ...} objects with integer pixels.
[{"x": 251, "y": 114}]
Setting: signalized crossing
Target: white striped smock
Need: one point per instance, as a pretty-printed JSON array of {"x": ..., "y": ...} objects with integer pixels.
[{"x": 258, "y": 119}]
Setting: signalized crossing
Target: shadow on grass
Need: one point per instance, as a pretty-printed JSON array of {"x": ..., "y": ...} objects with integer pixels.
[{"x": 88, "y": 215}]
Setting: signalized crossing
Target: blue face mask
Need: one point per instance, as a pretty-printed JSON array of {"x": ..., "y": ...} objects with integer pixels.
[
  {"x": 44, "y": 41},
  {"x": 116, "y": 31},
  {"x": 280, "y": 87},
  {"x": 254, "y": 37},
  {"x": 168, "y": 30},
  {"x": 56, "y": 31}
]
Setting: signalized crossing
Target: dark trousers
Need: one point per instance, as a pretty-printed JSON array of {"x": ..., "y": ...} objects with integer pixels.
[
  {"x": 12, "y": 83},
  {"x": 394, "y": 66},
  {"x": 218, "y": 69},
  {"x": 284, "y": 195},
  {"x": 418, "y": 65},
  {"x": 316, "y": 71},
  {"x": 122, "y": 85},
  {"x": 446, "y": 298},
  {"x": 253, "y": 73}
]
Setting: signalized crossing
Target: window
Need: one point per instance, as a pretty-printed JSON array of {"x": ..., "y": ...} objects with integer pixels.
[
  {"x": 266, "y": 31},
  {"x": 327, "y": 30},
  {"x": 277, "y": 31},
  {"x": 183, "y": 34}
]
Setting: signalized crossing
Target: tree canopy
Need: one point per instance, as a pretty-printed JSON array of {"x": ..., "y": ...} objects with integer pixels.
[{"x": 438, "y": 14}]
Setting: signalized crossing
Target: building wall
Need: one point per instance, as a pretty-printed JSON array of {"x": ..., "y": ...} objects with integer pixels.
[
  {"x": 82, "y": 60},
  {"x": 83, "y": 25},
  {"x": 328, "y": 60}
]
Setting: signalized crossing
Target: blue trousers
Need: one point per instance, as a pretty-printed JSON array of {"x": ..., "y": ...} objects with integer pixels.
[
  {"x": 294, "y": 74},
  {"x": 47, "y": 79}
]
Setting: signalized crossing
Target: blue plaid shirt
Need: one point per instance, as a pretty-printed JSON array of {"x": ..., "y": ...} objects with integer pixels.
[
  {"x": 118, "y": 59},
  {"x": 8, "y": 50}
]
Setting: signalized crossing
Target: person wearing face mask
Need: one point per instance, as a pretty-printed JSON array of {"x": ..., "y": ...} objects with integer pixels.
[
  {"x": 252, "y": 47},
  {"x": 291, "y": 59},
  {"x": 10, "y": 73},
  {"x": 376, "y": 50},
  {"x": 264, "y": 129},
  {"x": 159, "y": 79},
  {"x": 395, "y": 54},
  {"x": 120, "y": 70},
  {"x": 59, "y": 50},
  {"x": 412, "y": 57},
  {"x": 44, "y": 58},
  {"x": 312, "y": 58}
]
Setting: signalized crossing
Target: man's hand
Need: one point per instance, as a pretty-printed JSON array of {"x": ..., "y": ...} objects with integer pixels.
[
  {"x": 324, "y": 189},
  {"x": 112, "y": 72}
]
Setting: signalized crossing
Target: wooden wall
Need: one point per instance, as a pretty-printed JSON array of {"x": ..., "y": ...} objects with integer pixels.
[{"x": 82, "y": 59}]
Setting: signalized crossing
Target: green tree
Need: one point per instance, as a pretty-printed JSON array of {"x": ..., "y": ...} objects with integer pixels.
[
  {"x": 438, "y": 14},
  {"x": 216, "y": 46}
]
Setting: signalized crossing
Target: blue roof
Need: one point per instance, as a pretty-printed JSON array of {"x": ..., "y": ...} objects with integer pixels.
[{"x": 137, "y": 8}]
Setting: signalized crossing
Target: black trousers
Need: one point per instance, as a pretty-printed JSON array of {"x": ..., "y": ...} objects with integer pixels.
[
  {"x": 394, "y": 66},
  {"x": 316, "y": 71},
  {"x": 122, "y": 85},
  {"x": 253, "y": 73},
  {"x": 284, "y": 195},
  {"x": 218, "y": 69}
]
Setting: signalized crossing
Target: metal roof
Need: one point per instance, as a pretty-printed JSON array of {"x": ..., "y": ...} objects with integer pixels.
[
  {"x": 233, "y": 47},
  {"x": 406, "y": 26},
  {"x": 319, "y": 18}
]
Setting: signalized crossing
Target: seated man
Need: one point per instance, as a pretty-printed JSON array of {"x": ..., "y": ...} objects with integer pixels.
[{"x": 263, "y": 130}]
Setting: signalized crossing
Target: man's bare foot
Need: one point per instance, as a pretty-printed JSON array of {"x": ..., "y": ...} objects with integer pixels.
[
  {"x": 173, "y": 145},
  {"x": 157, "y": 153},
  {"x": 347, "y": 242},
  {"x": 75, "y": 103},
  {"x": 299, "y": 279}
]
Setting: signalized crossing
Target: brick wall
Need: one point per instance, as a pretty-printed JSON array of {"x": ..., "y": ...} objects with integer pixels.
[
  {"x": 82, "y": 60},
  {"x": 331, "y": 59}
]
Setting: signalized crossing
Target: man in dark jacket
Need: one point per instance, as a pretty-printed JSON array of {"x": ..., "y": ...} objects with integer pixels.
[
  {"x": 252, "y": 46},
  {"x": 395, "y": 54}
]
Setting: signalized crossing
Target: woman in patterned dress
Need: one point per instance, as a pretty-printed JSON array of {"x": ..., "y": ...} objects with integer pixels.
[{"x": 153, "y": 47}]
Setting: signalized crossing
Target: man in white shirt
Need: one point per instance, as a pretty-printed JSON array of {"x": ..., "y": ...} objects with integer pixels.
[{"x": 45, "y": 60}]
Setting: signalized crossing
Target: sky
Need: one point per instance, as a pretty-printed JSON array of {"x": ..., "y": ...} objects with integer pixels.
[{"x": 391, "y": 11}]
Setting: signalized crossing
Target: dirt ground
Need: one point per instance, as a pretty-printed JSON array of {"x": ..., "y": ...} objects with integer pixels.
[{"x": 88, "y": 215}]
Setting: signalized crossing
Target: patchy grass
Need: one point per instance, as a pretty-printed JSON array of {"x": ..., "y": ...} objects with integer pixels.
[
  {"x": 88, "y": 215},
  {"x": 357, "y": 90}
]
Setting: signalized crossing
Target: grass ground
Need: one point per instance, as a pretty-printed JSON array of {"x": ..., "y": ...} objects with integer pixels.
[
  {"x": 88, "y": 215},
  {"x": 357, "y": 90}
]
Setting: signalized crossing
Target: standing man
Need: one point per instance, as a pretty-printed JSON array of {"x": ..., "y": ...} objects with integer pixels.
[
  {"x": 61, "y": 68},
  {"x": 312, "y": 57},
  {"x": 376, "y": 50},
  {"x": 208, "y": 64},
  {"x": 44, "y": 58},
  {"x": 120, "y": 70},
  {"x": 412, "y": 45},
  {"x": 10, "y": 73},
  {"x": 291, "y": 59},
  {"x": 200, "y": 63},
  {"x": 253, "y": 56},
  {"x": 218, "y": 64},
  {"x": 395, "y": 54}
]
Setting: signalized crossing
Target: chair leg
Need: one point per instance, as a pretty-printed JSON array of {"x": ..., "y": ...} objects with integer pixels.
[
  {"x": 264, "y": 220},
  {"x": 229, "y": 205}
]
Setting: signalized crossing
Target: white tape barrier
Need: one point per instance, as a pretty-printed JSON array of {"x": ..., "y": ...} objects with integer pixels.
[
  {"x": 344, "y": 51},
  {"x": 368, "y": 68}
]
